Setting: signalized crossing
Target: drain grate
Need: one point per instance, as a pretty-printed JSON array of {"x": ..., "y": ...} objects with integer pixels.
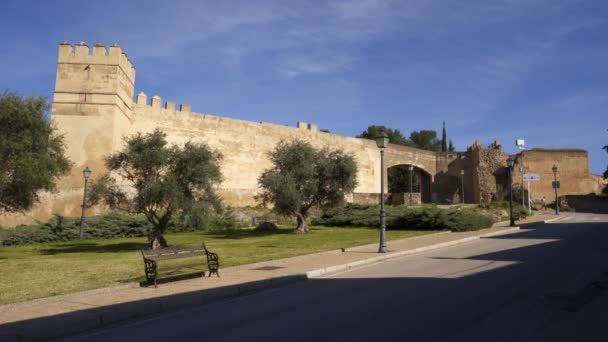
[{"x": 267, "y": 268}]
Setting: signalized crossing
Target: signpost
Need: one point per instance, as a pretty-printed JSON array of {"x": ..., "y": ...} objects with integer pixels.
[{"x": 530, "y": 177}]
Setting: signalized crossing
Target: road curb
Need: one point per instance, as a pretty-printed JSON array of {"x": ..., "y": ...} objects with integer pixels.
[
  {"x": 339, "y": 268},
  {"x": 554, "y": 219}
]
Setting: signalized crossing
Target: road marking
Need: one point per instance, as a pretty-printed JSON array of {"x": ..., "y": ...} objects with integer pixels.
[{"x": 595, "y": 218}]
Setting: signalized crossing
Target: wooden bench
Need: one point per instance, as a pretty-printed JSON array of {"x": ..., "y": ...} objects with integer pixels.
[{"x": 153, "y": 256}]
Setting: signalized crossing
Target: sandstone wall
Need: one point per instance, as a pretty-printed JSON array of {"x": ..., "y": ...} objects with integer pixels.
[
  {"x": 245, "y": 146},
  {"x": 573, "y": 173},
  {"x": 93, "y": 107}
]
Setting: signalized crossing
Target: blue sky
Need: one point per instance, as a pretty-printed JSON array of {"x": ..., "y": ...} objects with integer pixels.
[{"x": 502, "y": 70}]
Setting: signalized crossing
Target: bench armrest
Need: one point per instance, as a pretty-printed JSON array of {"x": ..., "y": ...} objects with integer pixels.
[{"x": 213, "y": 256}]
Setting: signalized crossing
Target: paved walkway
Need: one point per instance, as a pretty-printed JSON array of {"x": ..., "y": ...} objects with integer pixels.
[{"x": 95, "y": 308}]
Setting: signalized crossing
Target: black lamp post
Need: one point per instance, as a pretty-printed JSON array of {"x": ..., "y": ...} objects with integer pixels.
[
  {"x": 86, "y": 173},
  {"x": 462, "y": 186},
  {"x": 510, "y": 163},
  {"x": 411, "y": 169},
  {"x": 382, "y": 143},
  {"x": 554, "y": 168}
]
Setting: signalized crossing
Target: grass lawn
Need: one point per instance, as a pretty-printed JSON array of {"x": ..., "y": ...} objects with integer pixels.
[{"x": 48, "y": 269}]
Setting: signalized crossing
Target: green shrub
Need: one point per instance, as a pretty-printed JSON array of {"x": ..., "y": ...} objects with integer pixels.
[
  {"x": 426, "y": 218},
  {"x": 504, "y": 205},
  {"x": 266, "y": 227},
  {"x": 107, "y": 226},
  {"x": 226, "y": 220}
]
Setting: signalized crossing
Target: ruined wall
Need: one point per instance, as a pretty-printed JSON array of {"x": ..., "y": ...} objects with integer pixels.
[{"x": 490, "y": 173}]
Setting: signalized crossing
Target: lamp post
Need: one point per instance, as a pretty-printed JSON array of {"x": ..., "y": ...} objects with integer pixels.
[
  {"x": 462, "y": 186},
  {"x": 521, "y": 145},
  {"x": 522, "y": 171},
  {"x": 382, "y": 143},
  {"x": 554, "y": 168},
  {"x": 86, "y": 173},
  {"x": 411, "y": 169},
  {"x": 510, "y": 163}
]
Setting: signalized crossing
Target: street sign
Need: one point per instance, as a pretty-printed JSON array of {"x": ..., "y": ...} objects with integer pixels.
[
  {"x": 531, "y": 177},
  {"x": 555, "y": 184}
]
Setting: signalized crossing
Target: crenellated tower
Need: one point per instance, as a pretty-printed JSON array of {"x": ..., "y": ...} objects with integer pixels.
[{"x": 93, "y": 102}]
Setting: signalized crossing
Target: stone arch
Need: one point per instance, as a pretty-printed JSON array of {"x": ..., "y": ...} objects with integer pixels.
[{"x": 398, "y": 184}]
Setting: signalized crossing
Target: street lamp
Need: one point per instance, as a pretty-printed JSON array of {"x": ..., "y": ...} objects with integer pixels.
[
  {"x": 382, "y": 143},
  {"x": 462, "y": 186},
  {"x": 554, "y": 168},
  {"x": 521, "y": 145},
  {"x": 510, "y": 163},
  {"x": 522, "y": 171},
  {"x": 86, "y": 173},
  {"x": 411, "y": 168}
]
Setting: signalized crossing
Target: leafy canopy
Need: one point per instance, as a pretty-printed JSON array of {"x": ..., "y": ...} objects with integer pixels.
[
  {"x": 31, "y": 152},
  {"x": 426, "y": 140},
  {"x": 164, "y": 180},
  {"x": 399, "y": 180},
  {"x": 302, "y": 177},
  {"x": 394, "y": 135},
  {"x": 423, "y": 139}
]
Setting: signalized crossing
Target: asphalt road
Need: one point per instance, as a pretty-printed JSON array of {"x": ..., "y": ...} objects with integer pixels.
[{"x": 549, "y": 283}]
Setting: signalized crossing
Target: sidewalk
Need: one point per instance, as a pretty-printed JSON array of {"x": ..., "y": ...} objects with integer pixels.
[{"x": 77, "y": 312}]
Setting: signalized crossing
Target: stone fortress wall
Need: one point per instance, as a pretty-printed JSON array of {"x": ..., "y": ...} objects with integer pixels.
[
  {"x": 93, "y": 107},
  {"x": 572, "y": 173}
]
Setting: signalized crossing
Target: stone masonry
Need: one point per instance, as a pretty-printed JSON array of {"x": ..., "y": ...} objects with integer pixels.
[{"x": 93, "y": 107}]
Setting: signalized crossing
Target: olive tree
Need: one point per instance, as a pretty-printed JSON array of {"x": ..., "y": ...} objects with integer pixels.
[
  {"x": 302, "y": 177},
  {"x": 161, "y": 180},
  {"x": 31, "y": 152}
]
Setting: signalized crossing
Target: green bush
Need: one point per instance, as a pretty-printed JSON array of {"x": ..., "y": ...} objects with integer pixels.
[
  {"x": 427, "y": 218},
  {"x": 504, "y": 205},
  {"x": 106, "y": 226},
  {"x": 266, "y": 227}
]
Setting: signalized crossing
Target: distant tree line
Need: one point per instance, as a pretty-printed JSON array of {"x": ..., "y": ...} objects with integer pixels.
[{"x": 425, "y": 139}]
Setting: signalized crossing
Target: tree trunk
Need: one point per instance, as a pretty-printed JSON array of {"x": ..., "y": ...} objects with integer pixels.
[
  {"x": 157, "y": 240},
  {"x": 302, "y": 226}
]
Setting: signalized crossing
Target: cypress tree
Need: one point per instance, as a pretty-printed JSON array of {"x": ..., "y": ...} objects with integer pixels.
[{"x": 444, "y": 140}]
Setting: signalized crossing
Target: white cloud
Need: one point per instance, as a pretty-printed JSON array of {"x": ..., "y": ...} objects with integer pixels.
[{"x": 291, "y": 66}]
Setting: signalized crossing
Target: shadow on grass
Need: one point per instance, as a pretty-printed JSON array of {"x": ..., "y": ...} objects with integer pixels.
[
  {"x": 245, "y": 233},
  {"x": 83, "y": 247}
]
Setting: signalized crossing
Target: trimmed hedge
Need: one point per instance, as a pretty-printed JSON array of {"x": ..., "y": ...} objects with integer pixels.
[
  {"x": 428, "y": 218},
  {"x": 60, "y": 228}
]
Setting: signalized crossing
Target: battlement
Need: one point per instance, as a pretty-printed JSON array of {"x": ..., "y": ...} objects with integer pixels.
[
  {"x": 99, "y": 55},
  {"x": 155, "y": 105}
]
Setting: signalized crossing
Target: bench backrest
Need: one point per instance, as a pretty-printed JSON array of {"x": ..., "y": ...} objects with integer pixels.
[{"x": 174, "y": 252}]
